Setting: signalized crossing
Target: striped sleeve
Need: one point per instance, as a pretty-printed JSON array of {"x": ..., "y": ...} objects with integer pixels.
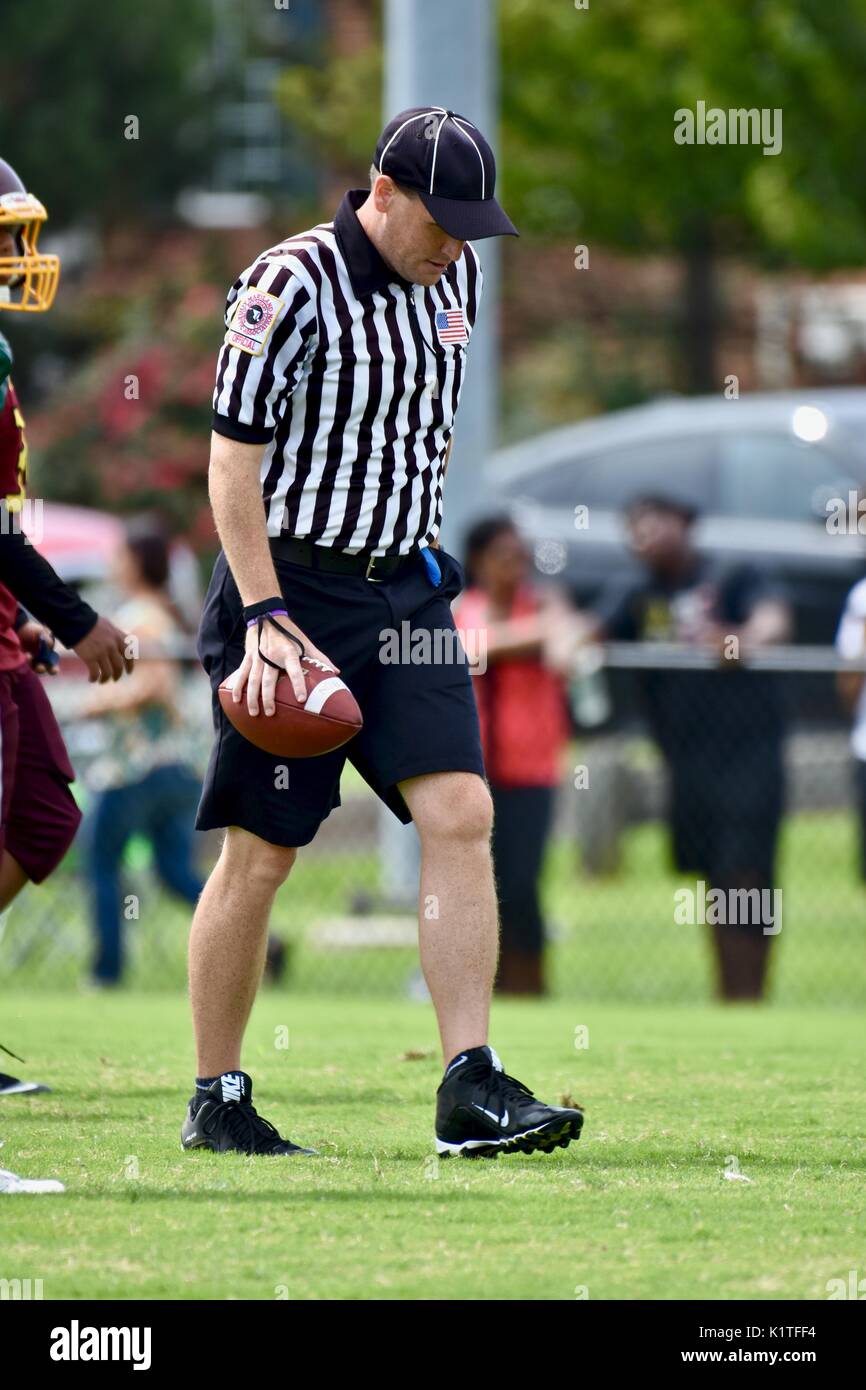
[
  {"x": 270, "y": 324},
  {"x": 474, "y": 283}
]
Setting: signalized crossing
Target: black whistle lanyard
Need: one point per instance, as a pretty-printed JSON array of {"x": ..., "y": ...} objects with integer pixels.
[
  {"x": 260, "y": 623},
  {"x": 417, "y": 331},
  {"x": 439, "y": 352}
]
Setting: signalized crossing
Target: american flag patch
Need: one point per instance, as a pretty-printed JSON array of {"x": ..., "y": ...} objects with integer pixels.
[{"x": 451, "y": 326}]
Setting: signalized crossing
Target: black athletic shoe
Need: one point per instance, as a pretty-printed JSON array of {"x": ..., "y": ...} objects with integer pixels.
[
  {"x": 11, "y": 1086},
  {"x": 222, "y": 1118},
  {"x": 482, "y": 1112}
]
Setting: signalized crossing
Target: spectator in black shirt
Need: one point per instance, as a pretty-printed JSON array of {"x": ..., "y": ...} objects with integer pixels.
[{"x": 719, "y": 730}]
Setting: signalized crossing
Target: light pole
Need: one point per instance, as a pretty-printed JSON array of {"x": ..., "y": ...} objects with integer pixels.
[{"x": 446, "y": 54}]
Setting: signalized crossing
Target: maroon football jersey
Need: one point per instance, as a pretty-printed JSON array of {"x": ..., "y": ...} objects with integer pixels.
[{"x": 13, "y": 484}]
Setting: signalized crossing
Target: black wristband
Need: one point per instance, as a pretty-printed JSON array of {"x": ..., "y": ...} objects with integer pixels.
[{"x": 265, "y": 605}]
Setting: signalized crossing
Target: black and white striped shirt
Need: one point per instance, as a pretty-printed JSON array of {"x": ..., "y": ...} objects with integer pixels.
[{"x": 351, "y": 376}]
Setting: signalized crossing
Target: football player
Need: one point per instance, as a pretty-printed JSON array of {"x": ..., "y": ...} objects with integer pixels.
[{"x": 38, "y": 813}]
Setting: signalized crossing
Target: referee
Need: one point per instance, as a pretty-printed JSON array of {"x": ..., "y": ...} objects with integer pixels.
[{"x": 336, "y": 393}]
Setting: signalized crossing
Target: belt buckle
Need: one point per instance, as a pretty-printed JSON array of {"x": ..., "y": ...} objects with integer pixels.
[{"x": 369, "y": 575}]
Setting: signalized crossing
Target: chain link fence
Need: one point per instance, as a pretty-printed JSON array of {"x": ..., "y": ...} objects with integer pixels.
[{"x": 746, "y": 775}]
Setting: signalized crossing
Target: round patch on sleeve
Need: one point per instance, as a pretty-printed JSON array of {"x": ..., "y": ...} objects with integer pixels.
[{"x": 255, "y": 314}]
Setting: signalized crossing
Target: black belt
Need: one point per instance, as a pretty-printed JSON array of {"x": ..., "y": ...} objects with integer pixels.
[{"x": 324, "y": 557}]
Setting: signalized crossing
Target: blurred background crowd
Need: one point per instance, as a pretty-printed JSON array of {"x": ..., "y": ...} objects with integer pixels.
[{"x": 681, "y": 446}]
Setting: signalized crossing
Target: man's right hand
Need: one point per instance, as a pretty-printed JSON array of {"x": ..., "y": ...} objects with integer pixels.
[
  {"x": 104, "y": 652},
  {"x": 260, "y": 679}
]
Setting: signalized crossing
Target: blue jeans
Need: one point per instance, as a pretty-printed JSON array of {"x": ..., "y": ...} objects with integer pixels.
[{"x": 161, "y": 807}]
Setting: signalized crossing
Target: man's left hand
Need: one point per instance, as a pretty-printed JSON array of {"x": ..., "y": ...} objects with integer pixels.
[{"x": 30, "y": 635}]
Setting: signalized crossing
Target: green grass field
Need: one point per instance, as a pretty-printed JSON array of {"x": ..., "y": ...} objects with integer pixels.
[
  {"x": 614, "y": 939},
  {"x": 639, "y": 1209}
]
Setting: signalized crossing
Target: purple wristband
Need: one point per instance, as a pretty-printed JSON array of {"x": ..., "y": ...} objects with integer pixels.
[{"x": 272, "y": 613}]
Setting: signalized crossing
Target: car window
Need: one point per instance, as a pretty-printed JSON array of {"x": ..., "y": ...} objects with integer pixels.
[
  {"x": 775, "y": 475},
  {"x": 681, "y": 467}
]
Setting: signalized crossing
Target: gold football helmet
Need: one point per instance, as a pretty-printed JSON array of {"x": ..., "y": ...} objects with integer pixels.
[{"x": 28, "y": 279}]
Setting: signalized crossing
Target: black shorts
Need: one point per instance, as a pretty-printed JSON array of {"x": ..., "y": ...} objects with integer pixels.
[
  {"x": 419, "y": 717},
  {"x": 725, "y": 815}
]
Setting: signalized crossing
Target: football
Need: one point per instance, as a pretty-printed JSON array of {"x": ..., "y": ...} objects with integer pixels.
[{"x": 328, "y": 719}]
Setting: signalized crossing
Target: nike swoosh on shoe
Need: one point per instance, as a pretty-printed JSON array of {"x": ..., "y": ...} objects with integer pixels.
[{"x": 501, "y": 1120}]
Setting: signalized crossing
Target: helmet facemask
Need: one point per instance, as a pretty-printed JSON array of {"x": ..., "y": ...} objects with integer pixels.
[{"x": 28, "y": 280}]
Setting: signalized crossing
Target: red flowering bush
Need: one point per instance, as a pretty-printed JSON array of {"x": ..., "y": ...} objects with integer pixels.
[{"x": 129, "y": 428}]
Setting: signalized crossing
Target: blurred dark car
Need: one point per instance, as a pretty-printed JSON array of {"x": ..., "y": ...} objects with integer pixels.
[{"x": 762, "y": 471}]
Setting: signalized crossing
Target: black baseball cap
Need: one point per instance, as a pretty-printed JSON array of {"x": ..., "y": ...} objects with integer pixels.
[{"x": 448, "y": 162}]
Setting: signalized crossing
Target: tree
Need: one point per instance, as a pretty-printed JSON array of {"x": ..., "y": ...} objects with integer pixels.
[
  {"x": 588, "y": 102},
  {"x": 75, "y": 78}
]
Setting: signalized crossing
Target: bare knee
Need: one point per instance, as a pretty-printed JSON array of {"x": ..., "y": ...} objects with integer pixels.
[
  {"x": 451, "y": 806},
  {"x": 256, "y": 862}
]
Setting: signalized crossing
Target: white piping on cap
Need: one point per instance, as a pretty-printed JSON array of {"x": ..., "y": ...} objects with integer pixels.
[
  {"x": 435, "y": 151},
  {"x": 420, "y": 117},
  {"x": 458, "y": 121}
]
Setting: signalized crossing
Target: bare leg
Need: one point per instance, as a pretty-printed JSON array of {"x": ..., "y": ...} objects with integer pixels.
[
  {"x": 227, "y": 945},
  {"x": 458, "y": 922},
  {"x": 742, "y": 952},
  {"x": 12, "y": 879}
]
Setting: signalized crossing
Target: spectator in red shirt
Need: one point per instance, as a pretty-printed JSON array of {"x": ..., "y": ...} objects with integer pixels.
[{"x": 511, "y": 628}]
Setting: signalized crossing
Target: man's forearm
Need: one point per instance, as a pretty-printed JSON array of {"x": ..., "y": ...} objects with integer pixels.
[
  {"x": 236, "y": 498},
  {"x": 849, "y": 685},
  {"x": 33, "y": 581},
  {"x": 770, "y": 623}
]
